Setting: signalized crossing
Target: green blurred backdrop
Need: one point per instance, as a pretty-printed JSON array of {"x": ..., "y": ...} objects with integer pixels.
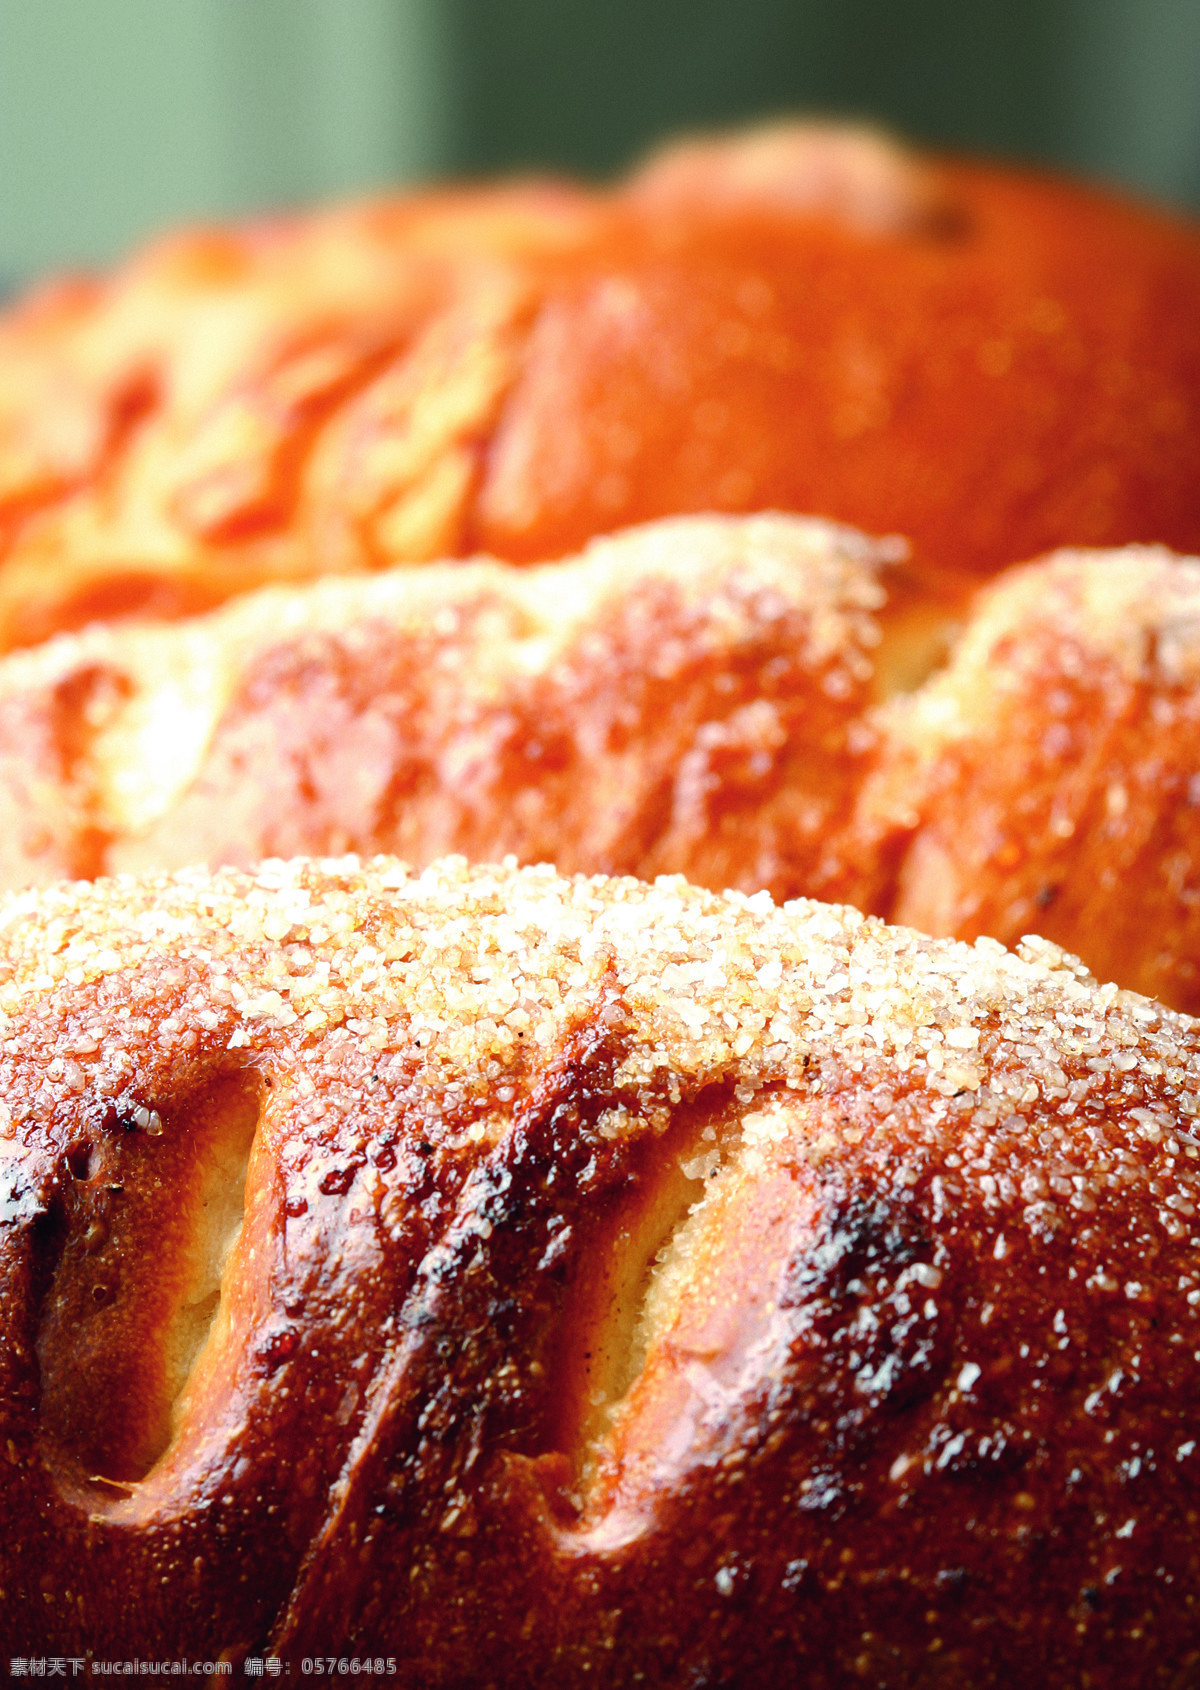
[{"x": 119, "y": 116}]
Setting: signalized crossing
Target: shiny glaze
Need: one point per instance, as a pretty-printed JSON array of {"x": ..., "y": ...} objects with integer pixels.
[
  {"x": 804, "y": 318},
  {"x": 564, "y": 1343}
]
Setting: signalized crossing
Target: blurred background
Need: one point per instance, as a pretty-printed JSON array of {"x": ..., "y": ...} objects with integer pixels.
[{"x": 118, "y": 117}]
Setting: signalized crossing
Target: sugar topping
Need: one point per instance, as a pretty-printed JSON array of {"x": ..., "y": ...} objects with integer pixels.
[
  {"x": 169, "y": 683},
  {"x": 462, "y": 946},
  {"x": 1052, "y": 1088}
]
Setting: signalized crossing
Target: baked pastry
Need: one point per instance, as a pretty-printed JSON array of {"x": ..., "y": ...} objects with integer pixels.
[
  {"x": 688, "y": 697},
  {"x": 532, "y": 1280},
  {"x": 1047, "y": 778},
  {"x": 577, "y": 1281},
  {"x": 752, "y": 702},
  {"x": 803, "y": 318}
]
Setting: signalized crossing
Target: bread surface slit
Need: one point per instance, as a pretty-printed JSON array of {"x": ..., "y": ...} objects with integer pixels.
[{"x": 153, "y": 1211}]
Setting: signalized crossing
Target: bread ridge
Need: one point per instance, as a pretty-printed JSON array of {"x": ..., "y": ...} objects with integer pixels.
[
  {"x": 753, "y": 702},
  {"x": 771, "y": 1278},
  {"x": 806, "y": 316}
]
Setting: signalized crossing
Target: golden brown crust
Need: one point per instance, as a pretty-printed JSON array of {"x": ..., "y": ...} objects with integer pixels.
[
  {"x": 802, "y": 318},
  {"x": 1048, "y": 779},
  {"x": 689, "y": 697},
  {"x": 750, "y": 702},
  {"x": 632, "y": 1281}
]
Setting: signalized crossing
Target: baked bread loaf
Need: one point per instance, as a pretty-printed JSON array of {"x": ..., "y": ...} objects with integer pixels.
[
  {"x": 585, "y": 1282},
  {"x": 752, "y": 702},
  {"x": 1047, "y": 778},
  {"x": 588, "y": 1282},
  {"x": 801, "y": 318},
  {"x": 689, "y": 697}
]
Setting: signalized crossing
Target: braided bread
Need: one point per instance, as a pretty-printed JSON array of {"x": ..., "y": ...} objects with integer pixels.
[
  {"x": 801, "y": 318},
  {"x": 583, "y": 1282},
  {"x": 751, "y": 702}
]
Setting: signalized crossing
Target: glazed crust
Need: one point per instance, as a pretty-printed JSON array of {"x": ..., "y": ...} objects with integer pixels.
[
  {"x": 1048, "y": 778},
  {"x": 801, "y": 318},
  {"x": 630, "y": 1282},
  {"x": 689, "y": 698},
  {"x": 751, "y": 702}
]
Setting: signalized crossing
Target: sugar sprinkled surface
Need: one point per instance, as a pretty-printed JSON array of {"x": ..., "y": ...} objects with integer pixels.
[
  {"x": 1042, "y": 1088},
  {"x": 172, "y": 681}
]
